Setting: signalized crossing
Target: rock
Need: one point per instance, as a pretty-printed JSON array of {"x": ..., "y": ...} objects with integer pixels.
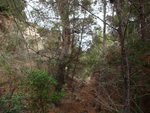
[
  {"x": 82, "y": 100},
  {"x": 52, "y": 105},
  {"x": 78, "y": 99},
  {"x": 84, "y": 111}
]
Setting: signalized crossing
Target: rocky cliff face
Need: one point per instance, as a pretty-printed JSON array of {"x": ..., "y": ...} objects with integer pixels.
[
  {"x": 12, "y": 29},
  {"x": 6, "y": 24},
  {"x": 21, "y": 39}
]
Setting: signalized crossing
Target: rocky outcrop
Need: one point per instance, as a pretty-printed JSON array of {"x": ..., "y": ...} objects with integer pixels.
[
  {"x": 6, "y": 24},
  {"x": 11, "y": 28}
]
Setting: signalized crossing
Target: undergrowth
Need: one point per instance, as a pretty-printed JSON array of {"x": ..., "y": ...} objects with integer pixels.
[{"x": 41, "y": 90}]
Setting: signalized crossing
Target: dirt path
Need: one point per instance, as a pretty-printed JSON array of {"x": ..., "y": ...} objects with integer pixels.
[{"x": 82, "y": 100}]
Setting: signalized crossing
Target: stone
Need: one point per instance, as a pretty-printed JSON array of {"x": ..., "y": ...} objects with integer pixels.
[{"x": 52, "y": 105}]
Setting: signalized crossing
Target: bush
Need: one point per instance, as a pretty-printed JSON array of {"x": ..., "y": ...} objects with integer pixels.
[
  {"x": 57, "y": 96},
  {"x": 12, "y": 104},
  {"x": 13, "y": 7},
  {"x": 4, "y": 8},
  {"x": 41, "y": 90},
  {"x": 113, "y": 56},
  {"x": 135, "y": 51}
]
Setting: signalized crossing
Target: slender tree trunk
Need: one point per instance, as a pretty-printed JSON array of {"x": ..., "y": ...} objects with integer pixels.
[
  {"x": 142, "y": 18},
  {"x": 63, "y": 8},
  {"x": 104, "y": 27},
  {"x": 125, "y": 73},
  {"x": 125, "y": 65}
]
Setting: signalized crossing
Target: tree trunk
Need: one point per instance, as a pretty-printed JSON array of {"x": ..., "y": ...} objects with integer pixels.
[
  {"x": 104, "y": 27},
  {"x": 125, "y": 74},
  {"x": 125, "y": 65},
  {"x": 142, "y": 18},
  {"x": 63, "y": 8}
]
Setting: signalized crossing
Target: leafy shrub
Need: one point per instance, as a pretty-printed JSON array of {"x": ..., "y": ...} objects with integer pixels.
[
  {"x": 139, "y": 74},
  {"x": 14, "y": 7},
  {"x": 136, "y": 50},
  {"x": 4, "y": 7},
  {"x": 57, "y": 96},
  {"x": 41, "y": 90},
  {"x": 113, "y": 55},
  {"x": 12, "y": 104}
]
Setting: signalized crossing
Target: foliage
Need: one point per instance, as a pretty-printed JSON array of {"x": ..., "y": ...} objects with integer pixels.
[
  {"x": 57, "y": 96},
  {"x": 137, "y": 56},
  {"x": 136, "y": 49},
  {"x": 40, "y": 85},
  {"x": 14, "y": 7},
  {"x": 41, "y": 90},
  {"x": 4, "y": 7},
  {"x": 139, "y": 66},
  {"x": 113, "y": 55},
  {"x": 13, "y": 104},
  {"x": 43, "y": 32}
]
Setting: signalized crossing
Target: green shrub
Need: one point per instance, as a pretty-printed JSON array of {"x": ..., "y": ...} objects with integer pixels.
[
  {"x": 135, "y": 51},
  {"x": 13, "y": 7},
  {"x": 4, "y": 8},
  {"x": 57, "y": 96},
  {"x": 13, "y": 104},
  {"x": 41, "y": 90},
  {"x": 113, "y": 56}
]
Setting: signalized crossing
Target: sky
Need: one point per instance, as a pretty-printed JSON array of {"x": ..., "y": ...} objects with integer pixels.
[{"x": 31, "y": 4}]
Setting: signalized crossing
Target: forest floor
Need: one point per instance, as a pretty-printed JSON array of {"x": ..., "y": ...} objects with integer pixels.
[{"x": 82, "y": 100}]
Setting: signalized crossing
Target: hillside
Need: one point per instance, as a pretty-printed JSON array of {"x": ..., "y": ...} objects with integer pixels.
[{"x": 74, "y": 56}]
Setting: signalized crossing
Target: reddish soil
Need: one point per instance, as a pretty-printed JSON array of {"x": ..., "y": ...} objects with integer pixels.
[{"x": 81, "y": 100}]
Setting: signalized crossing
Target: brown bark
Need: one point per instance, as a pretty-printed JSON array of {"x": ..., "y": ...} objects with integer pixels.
[
  {"x": 125, "y": 65},
  {"x": 63, "y": 8},
  {"x": 104, "y": 28},
  {"x": 125, "y": 74},
  {"x": 142, "y": 18}
]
